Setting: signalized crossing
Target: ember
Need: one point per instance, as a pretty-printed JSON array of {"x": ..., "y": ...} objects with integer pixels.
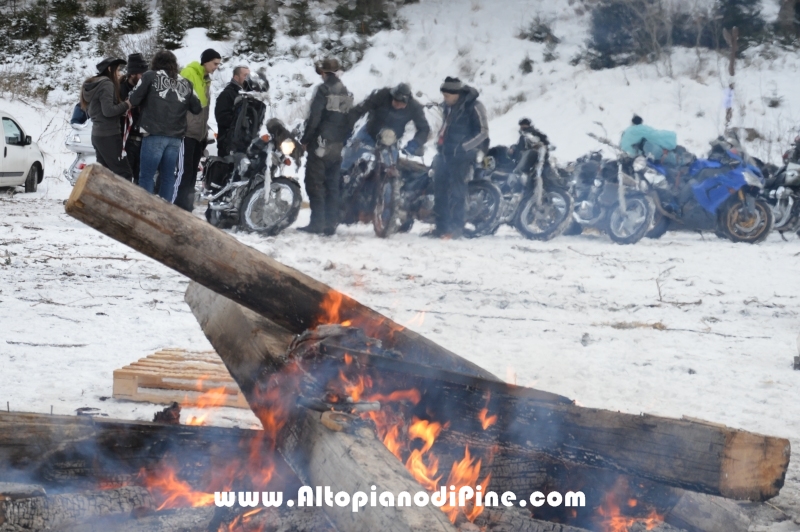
[{"x": 612, "y": 517}]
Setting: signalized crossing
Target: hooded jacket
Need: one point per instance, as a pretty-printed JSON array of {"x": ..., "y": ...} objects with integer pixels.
[
  {"x": 465, "y": 127},
  {"x": 104, "y": 107},
  {"x": 165, "y": 102},
  {"x": 656, "y": 140},
  {"x": 382, "y": 114},
  {"x": 197, "y": 125},
  {"x": 329, "y": 116}
]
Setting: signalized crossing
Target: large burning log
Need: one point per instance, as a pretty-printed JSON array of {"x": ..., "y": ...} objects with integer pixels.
[
  {"x": 699, "y": 456},
  {"x": 218, "y": 261}
]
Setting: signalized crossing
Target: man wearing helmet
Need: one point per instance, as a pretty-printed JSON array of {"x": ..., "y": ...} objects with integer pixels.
[{"x": 391, "y": 108}]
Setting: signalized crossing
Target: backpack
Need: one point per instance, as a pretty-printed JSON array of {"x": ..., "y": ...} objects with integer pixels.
[{"x": 248, "y": 115}]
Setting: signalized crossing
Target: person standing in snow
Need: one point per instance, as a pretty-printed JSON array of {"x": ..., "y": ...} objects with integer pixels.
[
  {"x": 326, "y": 129},
  {"x": 195, "y": 141},
  {"x": 100, "y": 98},
  {"x": 465, "y": 130},
  {"x": 165, "y": 98},
  {"x": 224, "y": 109},
  {"x": 130, "y": 127},
  {"x": 391, "y": 108}
]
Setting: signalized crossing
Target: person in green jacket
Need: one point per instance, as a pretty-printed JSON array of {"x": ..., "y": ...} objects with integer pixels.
[{"x": 194, "y": 140}]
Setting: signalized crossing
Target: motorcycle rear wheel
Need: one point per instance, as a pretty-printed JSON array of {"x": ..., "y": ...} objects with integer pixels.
[
  {"x": 549, "y": 220},
  {"x": 483, "y": 208},
  {"x": 750, "y": 227},
  {"x": 385, "y": 217},
  {"x": 660, "y": 226},
  {"x": 630, "y": 226},
  {"x": 271, "y": 215}
]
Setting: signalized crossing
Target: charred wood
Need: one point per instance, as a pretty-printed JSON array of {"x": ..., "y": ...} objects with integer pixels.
[
  {"x": 56, "y": 511},
  {"x": 514, "y": 520}
]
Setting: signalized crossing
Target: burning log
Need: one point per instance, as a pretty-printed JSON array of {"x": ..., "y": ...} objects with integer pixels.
[
  {"x": 55, "y": 512},
  {"x": 178, "y": 520},
  {"x": 83, "y": 452},
  {"x": 10, "y": 491},
  {"x": 697, "y": 456},
  {"x": 515, "y": 520},
  {"x": 696, "y": 512},
  {"x": 218, "y": 261}
]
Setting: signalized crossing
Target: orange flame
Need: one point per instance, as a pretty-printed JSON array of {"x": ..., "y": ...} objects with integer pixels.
[
  {"x": 214, "y": 398},
  {"x": 613, "y": 518},
  {"x": 465, "y": 473},
  {"x": 174, "y": 493},
  {"x": 331, "y": 306},
  {"x": 486, "y": 420}
]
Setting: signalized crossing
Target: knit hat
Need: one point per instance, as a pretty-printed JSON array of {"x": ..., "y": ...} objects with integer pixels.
[
  {"x": 327, "y": 65},
  {"x": 136, "y": 64},
  {"x": 637, "y": 120},
  {"x": 401, "y": 93},
  {"x": 209, "y": 55},
  {"x": 109, "y": 61},
  {"x": 451, "y": 85},
  {"x": 525, "y": 122}
]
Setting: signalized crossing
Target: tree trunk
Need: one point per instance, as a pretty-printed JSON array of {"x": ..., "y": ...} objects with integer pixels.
[
  {"x": 786, "y": 17},
  {"x": 218, "y": 261}
]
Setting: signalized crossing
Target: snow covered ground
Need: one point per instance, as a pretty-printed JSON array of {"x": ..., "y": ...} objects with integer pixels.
[{"x": 686, "y": 325}]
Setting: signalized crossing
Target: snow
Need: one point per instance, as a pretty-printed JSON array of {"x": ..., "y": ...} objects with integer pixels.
[{"x": 687, "y": 325}]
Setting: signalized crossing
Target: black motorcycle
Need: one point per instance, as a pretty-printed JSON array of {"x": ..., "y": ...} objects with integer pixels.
[
  {"x": 719, "y": 193},
  {"x": 608, "y": 197},
  {"x": 782, "y": 190},
  {"x": 251, "y": 188},
  {"x": 537, "y": 203}
]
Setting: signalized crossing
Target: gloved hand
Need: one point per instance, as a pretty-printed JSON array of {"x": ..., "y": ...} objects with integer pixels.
[{"x": 414, "y": 148}]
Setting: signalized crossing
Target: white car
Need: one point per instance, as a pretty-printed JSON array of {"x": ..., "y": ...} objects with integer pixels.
[{"x": 22, "y": 162}]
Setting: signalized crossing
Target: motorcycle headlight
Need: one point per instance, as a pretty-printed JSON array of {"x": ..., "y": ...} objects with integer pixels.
[
  {"x": 244, "y": 164},
  {"x": 751, "y": 179},
  {"x": 387, "y": 137},
  {"x": 287, "y": 147},
  {"x": 479, "y": 157},
  {"x": 639, "y": 164}
]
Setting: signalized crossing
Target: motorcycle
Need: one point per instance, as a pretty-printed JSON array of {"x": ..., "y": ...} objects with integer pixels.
[
  {"x": 782, "y": 191},
  {"x": 536, "y": 203},
  {"x": 79, "y": 141},
  {"x": 720, "y": 193},
  {"x": 607, "y": 197},
  {"x": 251, "y": 189}
]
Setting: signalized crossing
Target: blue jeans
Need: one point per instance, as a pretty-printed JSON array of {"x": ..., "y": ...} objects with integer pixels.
[
  {"x": 358, "y": 145},
  {"x": 159, "y": 153}
]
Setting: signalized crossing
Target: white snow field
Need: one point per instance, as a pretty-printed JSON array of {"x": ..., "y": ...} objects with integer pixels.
[{"x": 687, "y": 325}]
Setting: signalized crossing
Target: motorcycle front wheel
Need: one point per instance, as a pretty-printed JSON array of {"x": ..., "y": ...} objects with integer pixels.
[
  {"x": 483, "y": 208},
  {"x": 741, "y": 224},
  {"x": 660, "y": 226},
  {"x": 548, "y": 220},
  {"x": 386, "y": 218},
  {"x": 271, "y": 214},
  {"x": 630, "y": 226}
]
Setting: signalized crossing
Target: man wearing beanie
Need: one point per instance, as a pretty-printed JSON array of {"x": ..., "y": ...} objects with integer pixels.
[
  {"x": 130, "y": 126},
  {"x": 465, "y": 130},
  {"x": 194, "y": 140}
]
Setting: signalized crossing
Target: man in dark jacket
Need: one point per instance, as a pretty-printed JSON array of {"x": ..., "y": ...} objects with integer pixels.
[
  {"x": 327, "y": 127},
  {"x": 133, "y": 142},
  {"x": 165, "y": 98},
  {"x": 465, "y": 131},
  {"x": 391, "y": 108},
  {"x": 224, "y": 108}
]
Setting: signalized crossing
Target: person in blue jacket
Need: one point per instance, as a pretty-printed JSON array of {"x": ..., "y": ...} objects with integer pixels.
[{"x": 657, "y": 142}]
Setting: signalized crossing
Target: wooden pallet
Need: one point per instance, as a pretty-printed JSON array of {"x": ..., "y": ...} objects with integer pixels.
[{"x": 177, "y": 375}]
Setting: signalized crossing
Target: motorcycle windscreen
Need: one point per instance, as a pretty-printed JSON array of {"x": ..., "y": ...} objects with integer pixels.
[{"x": 713, "y": 192}]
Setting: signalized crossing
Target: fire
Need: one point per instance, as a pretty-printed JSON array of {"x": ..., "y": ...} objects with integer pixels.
[
  {"x": 465, "y": 473},
  {"x": 331, "y": 306},
  {"x": 486, "y": 420},
  {"x": 175, "y": 493},
  {"x": 613, "y": 519},
  {"x": 417, "y": 320},
  {"x": 214, "y": 398}
]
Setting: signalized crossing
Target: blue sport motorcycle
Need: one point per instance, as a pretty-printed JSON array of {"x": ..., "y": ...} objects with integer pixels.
[{"x": 720, "y": 193}]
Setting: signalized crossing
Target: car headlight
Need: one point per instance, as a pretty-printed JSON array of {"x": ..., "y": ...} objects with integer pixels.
[
  {"x": 639, "y": 164},
  {"x": 244, "y": 164},
  {"x": 287, "y": 147},
  {"x": 387, "y": 137},
  {"x": 751, "y": 179}
]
